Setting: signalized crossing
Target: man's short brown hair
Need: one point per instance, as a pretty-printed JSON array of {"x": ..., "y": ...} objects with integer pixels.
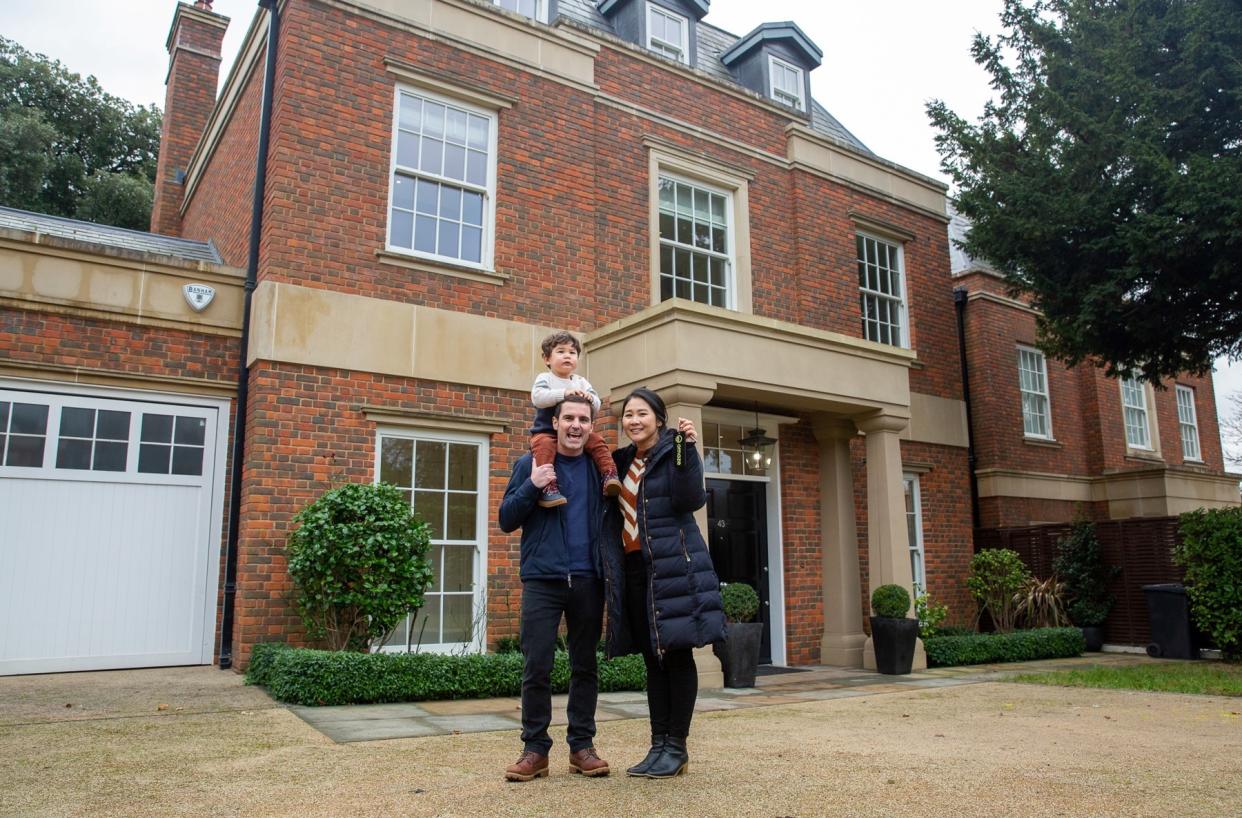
[
  {"x": 556, "y": 339},
  {"x": 590, "y": 404}
]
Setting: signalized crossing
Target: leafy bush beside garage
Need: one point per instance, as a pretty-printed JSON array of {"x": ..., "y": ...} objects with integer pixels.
[{"x": 318, "y": 678}]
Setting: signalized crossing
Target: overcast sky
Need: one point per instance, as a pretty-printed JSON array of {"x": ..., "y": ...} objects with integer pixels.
[{"x": 883, "y": 60}]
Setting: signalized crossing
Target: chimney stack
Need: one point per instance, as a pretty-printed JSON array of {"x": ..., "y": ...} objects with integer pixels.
[{"x": 193, "y": 72}]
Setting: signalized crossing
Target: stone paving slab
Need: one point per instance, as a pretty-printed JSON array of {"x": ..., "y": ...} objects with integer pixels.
[{"x": 344, "y": 732}]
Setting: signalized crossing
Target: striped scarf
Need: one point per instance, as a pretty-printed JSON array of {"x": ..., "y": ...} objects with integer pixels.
[{"x": 629, "y": 504}]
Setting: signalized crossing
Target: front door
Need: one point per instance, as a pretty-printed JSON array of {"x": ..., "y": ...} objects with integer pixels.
[{"x": 737, "y": 522}]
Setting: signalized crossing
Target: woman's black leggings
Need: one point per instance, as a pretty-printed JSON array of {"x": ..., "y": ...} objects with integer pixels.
[{"x": 672, "y": 683}]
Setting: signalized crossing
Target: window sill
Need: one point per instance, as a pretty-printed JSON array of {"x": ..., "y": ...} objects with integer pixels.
[
  {"x": 1045, "y": 443},
  {"x": 1145, "y": 456},
  {"x": 441, "y": 267}
]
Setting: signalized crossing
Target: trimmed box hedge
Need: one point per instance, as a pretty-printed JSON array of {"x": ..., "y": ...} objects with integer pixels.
[
  {"x": 1018, "y": 646},
  {"x": 320, "y": 677}
]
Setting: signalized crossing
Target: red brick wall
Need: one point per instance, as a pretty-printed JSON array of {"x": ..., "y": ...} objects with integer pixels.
[
  {"x": 800, "y": 540},
  {"x": 947, "y": 537},
  {"x": 306, "y": 434},
  {"x": 1087, "y": 427}
]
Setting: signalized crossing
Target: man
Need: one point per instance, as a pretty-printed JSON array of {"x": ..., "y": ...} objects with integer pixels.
[{"x": 560, "y": 572}]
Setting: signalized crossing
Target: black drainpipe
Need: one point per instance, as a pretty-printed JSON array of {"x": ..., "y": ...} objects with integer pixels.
[
  {"x": 243, "y": 369},
  {"x": 959, "y": 307}
]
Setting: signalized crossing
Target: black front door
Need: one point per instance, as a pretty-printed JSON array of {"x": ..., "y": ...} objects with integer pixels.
[{"x": 737, "y": 522}]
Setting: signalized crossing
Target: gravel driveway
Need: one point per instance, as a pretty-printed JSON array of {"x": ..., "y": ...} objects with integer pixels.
[{"x": 210, "y": 747}]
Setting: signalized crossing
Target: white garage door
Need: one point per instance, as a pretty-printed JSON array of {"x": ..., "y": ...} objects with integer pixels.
[{"x": 109, "y": 530}]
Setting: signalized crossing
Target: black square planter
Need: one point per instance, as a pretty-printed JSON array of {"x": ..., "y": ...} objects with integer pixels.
[{"x": 894, "y": 641}]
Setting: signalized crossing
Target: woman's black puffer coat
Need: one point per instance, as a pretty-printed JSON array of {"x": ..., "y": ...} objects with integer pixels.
[{"x": 683, "y": 593}]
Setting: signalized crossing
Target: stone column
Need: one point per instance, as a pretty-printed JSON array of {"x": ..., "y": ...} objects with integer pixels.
[
  {"x": 687, "y": 402},
  {"x": 888, "y": 544},
  {"x": 843, "y": 639}
]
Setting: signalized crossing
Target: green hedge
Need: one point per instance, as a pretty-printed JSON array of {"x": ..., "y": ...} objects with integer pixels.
[
  {"x": 1018, "y": 646},
  {"x": 318, "y": 677}
]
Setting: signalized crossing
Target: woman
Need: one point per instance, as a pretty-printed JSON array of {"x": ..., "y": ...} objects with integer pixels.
[{"x": 663, "y": 594}]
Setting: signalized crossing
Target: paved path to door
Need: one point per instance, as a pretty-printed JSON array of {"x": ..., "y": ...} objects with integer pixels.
[{"x": 372, "y": 722}]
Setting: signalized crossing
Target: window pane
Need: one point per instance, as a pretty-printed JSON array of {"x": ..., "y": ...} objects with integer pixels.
[
  {"x": 476, "y": 136},
  {"x": 476, "y": 168},
  {"x": 472, "y": 208},
  {"x": 463, "y": 467},
  {"x": 432, "y": 155},
  {"x": 70, "y": 454},
  {"x": 429, "y": 465},
  {"x": 458, "y": 568},
  {"x": 457, "y": 610},
  {"x": 407, "y": 149},
  {"x": 455, "y": 161},
  {"x": 447, "y": 245},
  {"x": 396, "y": 461},
  {"x": 190, "y": 431},
  {"x": 153, "y": 458},
  {"x": 77, "y": 422},
  {"x": 471, "y": 244},
  {"x": 428, "y": 198},
  {"x": 666, "y": 288},
  {"x": 426, "y": 625},
  {"x": 4, "y": 418},
  {"x": 461, "y": 516},
  {"x": 667, "y": 226},
  {"x": 682, "y": 288},
  {"x": 700, "y": 268},
  {"x": 399, "y": 634},
  {"x": 456, "y": 126},
  {"x": 187, "y": 460},
  {"x": 433, "y": 119},
  {"x": 26, "y": 451},
  {"x": 157, "y": 428},
  {"x": 430, "y": 506},
  {"x": 28, "y": 419},
  {"x": 410, "y": 117},
  {"x": 435, "y": 558},
  {"x": 110, "y": 456},
  {"x": 402, "y": 229},
  {"x": 425, "y": 234}
]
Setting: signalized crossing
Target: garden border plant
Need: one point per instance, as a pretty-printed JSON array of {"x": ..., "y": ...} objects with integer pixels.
[
  {"x": 1017, "y": 646},
  {"x": 1211, "y": 553},
  {"x": 318, "y": 678}
]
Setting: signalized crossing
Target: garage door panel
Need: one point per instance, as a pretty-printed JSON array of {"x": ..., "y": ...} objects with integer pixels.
[{"x": 103, "y": 569}]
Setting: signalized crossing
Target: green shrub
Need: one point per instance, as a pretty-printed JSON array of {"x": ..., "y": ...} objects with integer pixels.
[
  {"x": 929, "y": 615},
  {"x": 317, "y": 677},
  {"x": 358, "y": 560},
  {"x": 740, "y": 601},
  {"x": 892, "y": 601},
  {"x": 996, "y": 574},
  {"x": 1018, "y": 646},
  {"x": 258, "y": 672},
  {"x": 1081, "y": 567},
  {"x": 955, "y": 630},
  {"x": 1211, "y": 553}
]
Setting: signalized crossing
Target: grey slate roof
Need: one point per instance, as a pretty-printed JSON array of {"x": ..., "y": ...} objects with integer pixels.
[
  {"x": 713, "y": 42},
  {"x": 133, "y": 240}
]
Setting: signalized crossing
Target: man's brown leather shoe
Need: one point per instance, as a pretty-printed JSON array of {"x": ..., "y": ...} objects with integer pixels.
[
  {"x": 530, "y": 765},
  {"x": 587, "y": 762}
]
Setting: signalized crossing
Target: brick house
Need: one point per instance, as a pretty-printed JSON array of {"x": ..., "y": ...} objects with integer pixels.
[{"x": 448, "y": 180}]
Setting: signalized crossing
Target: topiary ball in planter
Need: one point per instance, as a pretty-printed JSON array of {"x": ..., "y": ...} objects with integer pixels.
[
  {"x": 739, "y": 658},
  {"x": 893, "y": 635},
  {"x": 892, "y": 601}
]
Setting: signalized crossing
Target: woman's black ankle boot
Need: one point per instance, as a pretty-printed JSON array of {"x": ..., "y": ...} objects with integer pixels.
[
  {"x": 657, "y": 747},
  {"x": 673, "y": 761}
]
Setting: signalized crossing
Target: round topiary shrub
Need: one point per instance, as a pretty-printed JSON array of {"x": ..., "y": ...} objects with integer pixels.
[
  {"x": 358, "y": 560},
  {"x": 740, "y": 601},
  {"x": 891, "y": 601}
]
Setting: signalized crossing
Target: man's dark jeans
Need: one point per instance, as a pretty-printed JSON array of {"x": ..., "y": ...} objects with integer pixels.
[{"x": 543, "y": 602}]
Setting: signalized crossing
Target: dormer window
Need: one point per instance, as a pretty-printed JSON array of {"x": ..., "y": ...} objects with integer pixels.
[
  {"x": 785, "y": 83},
  {"x": 668, "y": 34},
  {"x": 534, "y": 9}
]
